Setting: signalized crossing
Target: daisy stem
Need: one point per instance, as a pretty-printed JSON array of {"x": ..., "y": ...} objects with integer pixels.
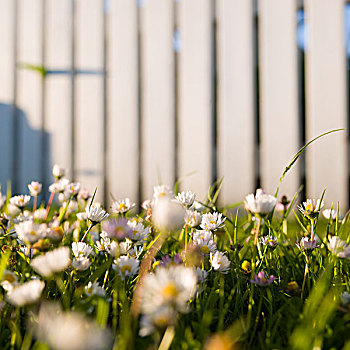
[
  {"x": 87, "y": 231},
  {"x": 257, "y": 230},
  {"x": 167, "y": 338},
  {"x": 35, "y": 203},
  {"x": 303, "y": 286},
  {"x": 49, "y": 204},
  {"x": 312, "y": 222},
  {"x": 185, "y": 244},
  {"x": 336, "y": 270},
  {"x": 257, "y": 315},
  {"x": 285, "y": 226},
  {"x": 221, "y": 303},
  {"x": 105, "y": 278}
]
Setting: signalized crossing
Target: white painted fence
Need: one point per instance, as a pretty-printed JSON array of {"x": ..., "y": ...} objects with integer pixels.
[{"x": 127, "y": 93}]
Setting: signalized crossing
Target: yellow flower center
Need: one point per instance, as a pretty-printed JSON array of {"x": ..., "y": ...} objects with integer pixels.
[
  {"x": 32, "y": 233},
  {"x": 246, "y": 265},
  {"x": 125, "y": 268},
  {"x": 161, "y": 194},
  {"x": 122, "y": 206},
  {"x": 212, "y": 221},
  {"x": 9, "y": 277},
  {"x": 155, "y": 264},
  {"x": 205, "y": 249},
  {"x": 170, "y": 291},
  {"x": 161, "y": 321},
  {"x": 309, "y": 209}
]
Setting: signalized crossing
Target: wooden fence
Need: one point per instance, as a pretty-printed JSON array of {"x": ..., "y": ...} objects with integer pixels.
[{"x": 127, "y": 93}]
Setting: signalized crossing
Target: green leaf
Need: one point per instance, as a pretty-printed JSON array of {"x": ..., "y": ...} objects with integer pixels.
[
  {"x": 3, "y": 261},
  {"x": 61, "y": 217},
  {"x": 101, "y": 269},
  {"x": 93, "y": 197},
  {"x": 102, "y": 312},
  {"x": 344, "y": 230}
]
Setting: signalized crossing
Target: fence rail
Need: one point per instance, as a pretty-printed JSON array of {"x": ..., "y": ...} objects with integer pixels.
[{"x": 127, "y": 93}]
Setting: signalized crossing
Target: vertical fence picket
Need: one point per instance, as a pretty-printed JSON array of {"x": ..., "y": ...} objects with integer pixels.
[
  {"x": 279, "y": 127},
  {"x": 122, "y": 100},
  {"x": 29, "y": 98},
  {"x": 235, "y": 99},
  {"x": 326, "y": 162},
  {"x": 195, "y": 127},
  {"x": 7, "y": 67},
  {"x": 89, "y": 128},
  {"x": 58, "y": 83},
  {"x": 158, "y": 137}
]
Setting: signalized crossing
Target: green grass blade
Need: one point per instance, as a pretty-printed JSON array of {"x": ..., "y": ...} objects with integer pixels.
[{"x": 298, "y": 154}]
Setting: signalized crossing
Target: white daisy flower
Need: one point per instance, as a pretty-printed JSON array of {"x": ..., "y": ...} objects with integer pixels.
[
  {"x": 82, "y": 263},
  {"x": 138, "y": 231},
  {"x": 82, "y": 216},
  {"x": 327, "y": 213},
  {"x": 96, "y": 214},
  {"x": 212, "y": 221},
  {"x": 204, "y": 241},
  {"x": 173, "y": 286},
  {"x": 94, "y": 289},
  {"x": 71, "y": 189},
  {"x": 260, "y": 204},
  {"x": 307, "y": 245},
  {"x": 35, "y": 188},
  {"x": 81, "y": 249},
  {"x": 56, "y": 260},
  {"x": 72, "y": 206},
  {"x": 162, "y": 191},
  {"x": 220, "y": 262},
  {"x": 135, "y": 252},
  {"x": 193, "y": 218},
  {"x": 30, "y": 232},
  {"x": 198, "y": 206},
  {"x": 9, "y": 280},
  {"x": 339, "y": 247},
  {"x": 126, "y": 266},
  {"x": 114, "y": 249},
  {"x": 13, "y": 210},
  {"x": 122, "y": 206},
  {"x": 26, "y": 293},
  {"x": 168, "y": 215},
  {"x": 58, "y": 171},
  {"x": 186, "y": 198},
  {"x": 345, "y": 298},
  {"x": 69, "y": 330},
  {"x": 146, "y": 204},
  {"x": 125, "y": 246},
  {"x": 103, "y": 244},
  {"x": 162, "y": 317},
  {"x": 311, "y": 208},
  {"x": 20, "y": 201},
  {"x": 59, "y": 186},
  {"x": 40, "y": 214}
]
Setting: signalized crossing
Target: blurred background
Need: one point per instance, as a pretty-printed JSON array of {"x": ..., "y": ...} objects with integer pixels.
[{"x": 127, "y": 94}]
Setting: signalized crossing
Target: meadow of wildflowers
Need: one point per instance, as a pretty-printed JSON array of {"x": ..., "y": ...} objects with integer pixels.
[{"x": 177, "y": 274}]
